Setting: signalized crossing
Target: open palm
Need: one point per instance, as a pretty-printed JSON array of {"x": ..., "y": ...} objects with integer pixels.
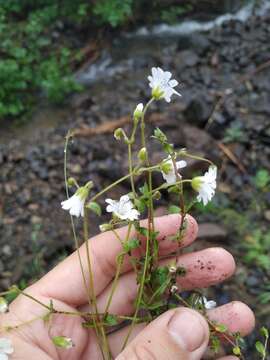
[{"x": 64, "y": 286}]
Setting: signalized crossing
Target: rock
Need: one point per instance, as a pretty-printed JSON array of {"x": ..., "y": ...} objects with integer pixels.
[
  {"x": 6, "y": 250},
  {"x": 188, "y": 58},
  {"x": 267, "y": 215},
  {"x": 198, "y": 110},
  {"x": 36, "y": 219},
  {"x": 200, "y": 43},
  {"x": 212, "y": 232}
]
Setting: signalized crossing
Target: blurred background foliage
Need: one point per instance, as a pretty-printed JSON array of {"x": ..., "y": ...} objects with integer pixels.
[{"x": 37, "y": 56}]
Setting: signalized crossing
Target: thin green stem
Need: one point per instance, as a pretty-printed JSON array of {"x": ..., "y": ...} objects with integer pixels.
[
  {"x": 130, "y": 165},
  {"x": 120, "y": 261},
  {"x": 150, "y": 223},
  {"x": 183, "y": 153},
  {"x": 93, "y": 300},
  {"x": 165, "y": 186},
  {"x": 77, "y": 246}
]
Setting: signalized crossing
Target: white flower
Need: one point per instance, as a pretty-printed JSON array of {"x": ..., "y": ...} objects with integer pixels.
[
  {"x": 169, "y": 174},
  {"x": 205, "y": 185},
  {"x": 138, "y": 111},
  {"x": 75, "y": 204},
  {"x": 123, "y": 209},
  {"x": 162, "y": 85},
  {"x": 3, "y": 305},
  {"x": 6, "y": 348},
  {"x": 208, "y": 304}
]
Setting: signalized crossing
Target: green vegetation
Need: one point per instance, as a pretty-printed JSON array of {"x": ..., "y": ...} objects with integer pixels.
[{"x": 234, "y": 133}]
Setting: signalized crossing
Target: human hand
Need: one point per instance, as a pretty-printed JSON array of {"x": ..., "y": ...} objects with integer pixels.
[{"x": 177, "y": 334}]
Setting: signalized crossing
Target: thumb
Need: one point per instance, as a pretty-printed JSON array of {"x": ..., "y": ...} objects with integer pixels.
[{"x": 180, "y": 334}]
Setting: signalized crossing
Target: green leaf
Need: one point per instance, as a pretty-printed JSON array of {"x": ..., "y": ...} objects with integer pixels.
[
  {"x": 144, "y": 190},
  {"x": 131, "y": 244},
  {"x": 140, "y": 205},
  {"x": 111, "y": 320},
  {"x": 160, "y": 136},
  {"x": 142, "y": 230},
  {"x": 264, "y": 332},
  {"x": 262, "y": 178},
  {"x": 215, "y": 344},
  {"x": 260, "y": 348},
  {"x": 173, "y": 209},
  {"x": 160, "y": 275},
  {"x": 221, "y": 328},
  {"x": 95, "y": 207}
]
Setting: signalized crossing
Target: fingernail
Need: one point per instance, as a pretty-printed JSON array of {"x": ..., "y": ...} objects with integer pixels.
[{"x": 187, "y": 329}]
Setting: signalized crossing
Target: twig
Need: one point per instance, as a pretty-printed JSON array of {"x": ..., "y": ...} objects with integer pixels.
[
  {"x": 232, "y": 157},
  {"x": 110, "y": 125}
]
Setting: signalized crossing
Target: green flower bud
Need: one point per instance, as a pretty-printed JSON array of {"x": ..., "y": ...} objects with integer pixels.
[
  {"x": 119, "y": 134},
  {"x": 71, "y": 182},
  {"x": 157, "y": 195},
  {"x": 105, "y": 227},
  {"x": 142, "y": 154},
  {"x": 62, "y": 342}
]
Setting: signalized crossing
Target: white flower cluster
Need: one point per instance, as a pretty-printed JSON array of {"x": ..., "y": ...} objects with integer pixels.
[{"x": 162, "y": 86}]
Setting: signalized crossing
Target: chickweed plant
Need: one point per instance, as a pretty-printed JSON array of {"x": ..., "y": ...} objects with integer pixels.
[{"x": 158, "y": 286}]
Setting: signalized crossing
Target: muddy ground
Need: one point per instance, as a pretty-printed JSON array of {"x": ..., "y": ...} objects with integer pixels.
[{"x": 225, "y": 83}]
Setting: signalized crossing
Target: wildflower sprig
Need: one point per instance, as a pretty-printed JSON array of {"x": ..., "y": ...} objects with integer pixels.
[{"x": 158, "y": 287}]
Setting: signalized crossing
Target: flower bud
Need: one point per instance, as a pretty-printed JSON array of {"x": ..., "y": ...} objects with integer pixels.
[
  {"x": 105, "y": 227},
  {"x": 3, "y": 305},
  {"x": 174, "y": 289},
  {"x": 157, "y": 195},
  {"x": 71, "y": 181},
  {"x": 62, "y": 342},
  {"x": 142, "y": 154},
  {"x": 118, "y": 134},
  {"x": 172, "y": 269},
  {"x": 138, "y": 112}
]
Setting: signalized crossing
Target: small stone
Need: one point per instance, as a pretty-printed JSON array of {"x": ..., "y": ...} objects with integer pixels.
[
  {"x": 36, "y": 219},
  {"x": 267, "y": 215},
  {"x": 212, "y": 232},
  {"x": 6, "y": 250}
]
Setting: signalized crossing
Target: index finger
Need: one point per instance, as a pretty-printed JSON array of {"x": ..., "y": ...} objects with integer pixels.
[{"x": 65, "y": 281}]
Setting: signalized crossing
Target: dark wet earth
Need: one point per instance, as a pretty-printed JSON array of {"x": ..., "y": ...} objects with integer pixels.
[{"x": 225, "y": 83}]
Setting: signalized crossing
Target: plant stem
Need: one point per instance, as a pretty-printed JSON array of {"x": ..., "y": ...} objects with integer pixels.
[
  {"x": 183, "y": 153},
  {"x": 93, "y": 300}
]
